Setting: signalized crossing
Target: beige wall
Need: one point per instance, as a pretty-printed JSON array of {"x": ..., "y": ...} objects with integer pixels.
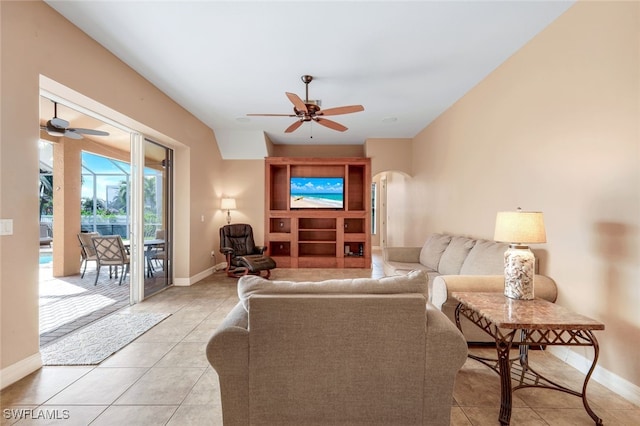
[
  {"x": 555, "y": 128},
  {"x": 389, "y": 155},
  {"x": 244, "y": 181},
  {"x": 33, "y": 35}
]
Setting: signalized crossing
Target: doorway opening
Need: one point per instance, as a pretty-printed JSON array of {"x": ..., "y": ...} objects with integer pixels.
[{"x": 86, "y": 186}]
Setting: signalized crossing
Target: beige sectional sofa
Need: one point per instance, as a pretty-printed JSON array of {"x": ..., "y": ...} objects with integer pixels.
[
  {"x": 352, "y": 351},
  {"x": 457, "y": 263}
]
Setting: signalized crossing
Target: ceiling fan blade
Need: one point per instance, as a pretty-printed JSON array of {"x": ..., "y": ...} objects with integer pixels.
[
  {"x": 297, "y": 102},
  {"x": 59, "y": 123},
  {"x": 342, "y": 110},
  {"x": 272, "y": 115},
  {"x": 294, "y": 126},
  {"x": 88, "y": 131},
  {"x": 330, "y": 124},
  {"x": 71, "y": 134}
]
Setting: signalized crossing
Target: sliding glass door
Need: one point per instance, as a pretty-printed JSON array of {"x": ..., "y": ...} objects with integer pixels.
[{"x": 157, "y": 197}]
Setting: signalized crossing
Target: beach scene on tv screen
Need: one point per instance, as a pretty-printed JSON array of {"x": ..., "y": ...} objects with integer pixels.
[{"x": 316, "y": 192}]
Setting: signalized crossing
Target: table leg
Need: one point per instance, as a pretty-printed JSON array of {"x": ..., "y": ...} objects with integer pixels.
[
  {"x": 147, "y": 256},
  {"x": 504, "y": 364},
  {"x": 596, "y": 349}
]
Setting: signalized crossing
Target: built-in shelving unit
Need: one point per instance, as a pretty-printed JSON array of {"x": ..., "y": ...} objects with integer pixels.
[{"x": 318, "y": 238}]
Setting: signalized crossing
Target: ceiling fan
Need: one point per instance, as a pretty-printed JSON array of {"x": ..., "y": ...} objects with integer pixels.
[
  {"x": 310, "y": 110},
  {"x": 59, "y": 127}
]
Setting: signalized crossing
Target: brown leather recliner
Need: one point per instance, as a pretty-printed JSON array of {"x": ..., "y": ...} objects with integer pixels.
[{"x": 242, "y": 255}]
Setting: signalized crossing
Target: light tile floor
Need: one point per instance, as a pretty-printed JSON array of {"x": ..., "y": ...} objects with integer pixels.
[{"x": 163, "y": 377}]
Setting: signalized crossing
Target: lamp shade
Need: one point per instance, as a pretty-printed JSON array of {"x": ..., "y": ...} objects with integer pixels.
[
  {"x": 228, "y": 204},
  {"x": 520, "y": 227}
]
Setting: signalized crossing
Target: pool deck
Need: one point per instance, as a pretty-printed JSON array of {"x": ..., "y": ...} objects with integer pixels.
[{"x": 69, "y": 303}]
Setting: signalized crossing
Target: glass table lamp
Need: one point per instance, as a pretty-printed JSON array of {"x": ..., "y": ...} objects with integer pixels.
[
  {"x": 519, "y": 228},
  {"x": 228, "y": 204}
]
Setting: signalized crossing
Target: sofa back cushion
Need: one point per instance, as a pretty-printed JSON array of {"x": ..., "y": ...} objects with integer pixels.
[
  {"x": 413, "y": 282},
  {"x": 455, "y": 254},
  {"x": 432, "y": 250},
  {"x": 485, "y": 258},
  {"x": 337, "y": 359}
]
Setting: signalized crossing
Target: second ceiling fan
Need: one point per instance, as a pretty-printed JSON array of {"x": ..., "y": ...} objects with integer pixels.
[
  {"x": 310, "y": 111},
  {"x": 60, "y": 127}
]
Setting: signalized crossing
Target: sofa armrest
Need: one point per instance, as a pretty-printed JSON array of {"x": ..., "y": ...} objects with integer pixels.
[
  {"x": 228, "y": 353},
  {"x": 444, "y": 285},
  {"x": 402, "y": 254},
  {"x": 446, "y": 353},
  {"x": 443, "y": 337}
]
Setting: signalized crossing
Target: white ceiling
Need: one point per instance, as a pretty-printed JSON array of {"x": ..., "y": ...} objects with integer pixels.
[{"x": 403, "y": 61}]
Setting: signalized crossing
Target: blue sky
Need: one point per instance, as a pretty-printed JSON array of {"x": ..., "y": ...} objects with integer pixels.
[{"x": 316, "y": 185}]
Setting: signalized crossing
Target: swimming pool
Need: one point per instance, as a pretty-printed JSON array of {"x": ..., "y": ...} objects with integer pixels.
[{"x": 46, "y": 258}]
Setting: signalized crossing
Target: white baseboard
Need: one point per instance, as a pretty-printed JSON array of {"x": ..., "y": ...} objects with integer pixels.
[
  {"x": 615, "y": 383},
  {"x": 185, "y": 282},
  {"x": 19, "y": 370}
]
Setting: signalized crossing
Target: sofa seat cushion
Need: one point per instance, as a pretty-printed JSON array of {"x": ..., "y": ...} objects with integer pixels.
[
  {"x": 454, "y": 255},
  {"x": 485, "y": 258},
  {"x": 432, "y": 250},
  {"x": 403, "y": 268},
  {"x": 413, "y": 282}
]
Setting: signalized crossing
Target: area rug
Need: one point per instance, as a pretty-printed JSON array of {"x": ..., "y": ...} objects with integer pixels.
[{"x": 94, "y": 343}]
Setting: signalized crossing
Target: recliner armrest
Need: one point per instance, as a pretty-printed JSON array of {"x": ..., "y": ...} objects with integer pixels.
[
  {"x": 226, "y": 250},
  {"x": 260, "y": 249}
]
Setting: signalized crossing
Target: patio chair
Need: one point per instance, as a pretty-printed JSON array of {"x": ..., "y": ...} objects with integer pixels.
[
  {"x": 87, "y": 250},
  {"x": 46, "y": 235},
  {"x": 110, "y": 252},
  {"x": 157, "y": 253}
]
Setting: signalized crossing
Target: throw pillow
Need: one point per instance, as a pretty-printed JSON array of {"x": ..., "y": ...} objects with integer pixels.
[
  {"x": 413, "y": 282},
  {"x": 454, "y": 256},
  {"x": 433, "y": 249}
]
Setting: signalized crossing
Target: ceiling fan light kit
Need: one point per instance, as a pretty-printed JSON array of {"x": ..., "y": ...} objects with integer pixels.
[{"x": 309, "y": 110}]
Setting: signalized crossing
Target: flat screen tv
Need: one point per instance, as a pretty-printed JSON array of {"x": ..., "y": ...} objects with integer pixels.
[{"x": 317, "y": 192}]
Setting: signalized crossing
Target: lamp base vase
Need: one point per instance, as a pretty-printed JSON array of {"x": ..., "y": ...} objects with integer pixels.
[{"x": 519, "y": 271}]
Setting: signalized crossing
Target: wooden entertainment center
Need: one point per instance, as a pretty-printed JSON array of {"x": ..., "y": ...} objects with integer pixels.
[{"x": 318, "y": 237}]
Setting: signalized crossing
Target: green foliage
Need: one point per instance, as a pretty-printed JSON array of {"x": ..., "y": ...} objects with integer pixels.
[{"x": 46, "y": 193}]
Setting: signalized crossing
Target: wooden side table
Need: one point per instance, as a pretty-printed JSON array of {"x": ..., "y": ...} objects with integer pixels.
[{"x": 524, "y": 323}]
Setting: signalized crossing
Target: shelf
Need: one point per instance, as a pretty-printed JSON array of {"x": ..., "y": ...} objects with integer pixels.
[
  {"x": 279, "y": 188},
  {"x": 355, "y": 247},
  {"x": 279, "y": 248},
  {"x": 355, "y": 237},
  {"x": 356, "y": 190},
  {"x": 319, "y": 223},
  {"x": 280, "y": 225},
  {"x": 316, "y": 249},
  {"x": 354, "y": 225}
]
